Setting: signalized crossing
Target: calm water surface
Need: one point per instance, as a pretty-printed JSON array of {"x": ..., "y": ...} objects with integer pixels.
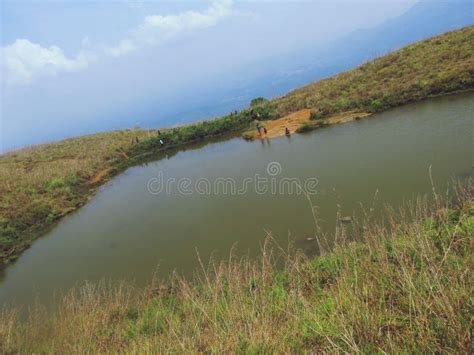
[{"x": 125, "y": 232}]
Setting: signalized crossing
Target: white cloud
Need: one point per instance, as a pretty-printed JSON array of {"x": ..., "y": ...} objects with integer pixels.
[
  {"x": 24, "y": 61},
  {"x": 156, "y": 29}
]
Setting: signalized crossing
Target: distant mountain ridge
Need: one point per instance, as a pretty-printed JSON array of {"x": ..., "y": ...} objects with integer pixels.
[
  {"x": 426, "y": 18},
  {"x": 276, "y": 77}
]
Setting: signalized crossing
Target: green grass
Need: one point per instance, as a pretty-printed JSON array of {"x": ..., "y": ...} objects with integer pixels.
[
  {"x": 431, "y": 67},
  {"x": 40, "y": 184},
  {"x": 308, "y": 127},
  {"x": 405, "y": 287}
]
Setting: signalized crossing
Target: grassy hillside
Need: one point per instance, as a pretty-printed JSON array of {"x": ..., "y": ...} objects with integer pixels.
[
  {"x": 431, "y": 67},
  {"x": 40, "y": 184},
  {"x": 402, "y": 288}
]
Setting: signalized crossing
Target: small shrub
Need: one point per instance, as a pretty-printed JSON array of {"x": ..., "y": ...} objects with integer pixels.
[
  {"x": 248, "y": 136},
  {"x": 263, "y": 112},
  {"x": 306, "y": 128},
  {"x": 258, "y": 101},
  {"x": 8, "y": 234},
  {"x": 315, "y": 115},
  {"x": 40, "y": 210},
  {"x": 376, "y": 105},
  {"x": 55, "y": 183}
]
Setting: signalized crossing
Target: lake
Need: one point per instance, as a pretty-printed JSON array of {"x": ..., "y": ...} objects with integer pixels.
[{"x": 157, "y": 217}]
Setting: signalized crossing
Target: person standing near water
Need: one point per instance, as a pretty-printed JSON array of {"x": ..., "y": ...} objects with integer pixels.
[
  {"x": 287, "y": 131},
  {"x": 265, "y": 130},
  {"x": 258, "y": 129}
]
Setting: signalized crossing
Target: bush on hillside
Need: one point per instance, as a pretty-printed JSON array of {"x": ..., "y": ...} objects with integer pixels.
[
  {"x": 258, "y": 101},
  {"x": 315, "y": 115}
]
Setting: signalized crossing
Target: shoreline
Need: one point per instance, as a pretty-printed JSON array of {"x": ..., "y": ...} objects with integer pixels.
[
  {"x": 41, "y": 184},
  {"x": 109, "y": 172},
  {"x": 316, "y": 301},
  {"x": 295, "y": 121}
]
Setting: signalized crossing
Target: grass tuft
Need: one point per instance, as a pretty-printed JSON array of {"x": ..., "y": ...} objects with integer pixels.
[
  {"x": 403, "y": 287},
  {"x": 40, "y": 184}
]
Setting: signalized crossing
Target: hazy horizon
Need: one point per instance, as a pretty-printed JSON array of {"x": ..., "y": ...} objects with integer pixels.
[{"x": 71, "y": 68}]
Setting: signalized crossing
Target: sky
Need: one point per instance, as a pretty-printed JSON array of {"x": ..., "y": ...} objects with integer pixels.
[{"x": 74, "y": 67}]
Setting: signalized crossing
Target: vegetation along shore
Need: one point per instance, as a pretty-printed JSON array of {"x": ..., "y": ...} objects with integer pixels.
[
  {"x": 40, "y": 184},
  {"x": 401, "y": 287}
]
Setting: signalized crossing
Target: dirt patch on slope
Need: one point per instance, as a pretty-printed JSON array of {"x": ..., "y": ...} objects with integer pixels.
[
  {"x": 276, "y": 128},
  {"x": 100, "y": 176},
  {"x": 293, "y": 121}
]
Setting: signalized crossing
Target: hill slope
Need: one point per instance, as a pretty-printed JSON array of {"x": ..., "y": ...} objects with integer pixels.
[
  {"x": 425, "y": 19},
  {"x": 403, "y": 289},
  {"x": 433, "y": 66},
  {"x": 40, "y": 184}
]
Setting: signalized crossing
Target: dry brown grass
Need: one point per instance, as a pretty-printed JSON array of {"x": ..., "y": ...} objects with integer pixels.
[
  {"x": 405, "y": 287},
  {"x": 46, "y": 181},
  {"x": 276, "y": 128},
  {"x": 294, "y": 121},
  {"x": 426, "y": 68},
  {"x": 40, "y": 184}
]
